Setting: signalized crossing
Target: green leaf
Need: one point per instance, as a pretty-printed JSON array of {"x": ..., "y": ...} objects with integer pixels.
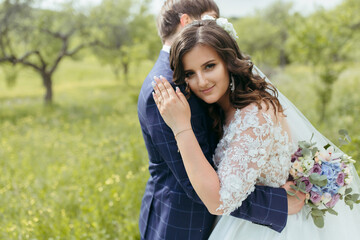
[
  {"x": 302, "y": 185},
  {"x": 305, "y": 152},
  {"x": 327, "y": 146},
  {"x": 314, "y": 151},
  {"x": 317, "y": 213},
  {"x": 348, "y": 190},
  {"x": 349, "y": 203},
  {"x": 355, "y": 197},
  {"x": 303, "y": 191},
  {"x": 343, "y": 132},
  {"x": 313, "y": 206},
  {"x": 294, "y": 187},
  {"x": 317, "y": 179},
  {"x": 319, "y": 221},
  {"x": 332, "y": 211},
  {"x": 290, "y": 193}
]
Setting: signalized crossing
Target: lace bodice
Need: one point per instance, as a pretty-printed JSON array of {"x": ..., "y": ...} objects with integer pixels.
[{"x": 255, "y": 149}]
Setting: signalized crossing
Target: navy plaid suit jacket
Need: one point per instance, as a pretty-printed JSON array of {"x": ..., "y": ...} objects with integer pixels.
[{"x": 170, "y": 207}]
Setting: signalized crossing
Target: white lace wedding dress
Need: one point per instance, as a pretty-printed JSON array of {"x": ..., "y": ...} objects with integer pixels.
[{"x": 256, "y": 149}]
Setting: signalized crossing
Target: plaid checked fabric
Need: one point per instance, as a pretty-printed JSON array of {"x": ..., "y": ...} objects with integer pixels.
[{"x": 170, "y": 207}]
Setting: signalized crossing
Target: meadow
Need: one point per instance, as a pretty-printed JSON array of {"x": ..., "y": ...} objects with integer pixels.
[{"x": 77, "y": 169}]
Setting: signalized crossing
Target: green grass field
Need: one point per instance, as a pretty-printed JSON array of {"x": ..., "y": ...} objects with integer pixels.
[{"x": 77, "y": 169}]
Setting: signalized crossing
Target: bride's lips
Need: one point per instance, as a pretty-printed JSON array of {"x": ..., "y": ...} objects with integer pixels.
[{"x": 207, "y": 90}]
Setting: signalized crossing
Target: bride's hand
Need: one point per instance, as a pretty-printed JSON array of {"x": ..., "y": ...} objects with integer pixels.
[
  {"x": 173, "y": 106},
  {"x": 295, "y": 204}
]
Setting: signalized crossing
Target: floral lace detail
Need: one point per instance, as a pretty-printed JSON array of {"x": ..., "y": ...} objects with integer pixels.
[{"x": 255, "y": 149}]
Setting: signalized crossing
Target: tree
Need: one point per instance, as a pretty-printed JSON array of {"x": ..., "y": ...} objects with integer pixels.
[
  {"x": 40, "y": 38},
  {"x": 127, "y": 32},
  {"x": 325, "y": 40},
  {"x": 278, "y": 15},
  {"x": 264, "y": 34}
]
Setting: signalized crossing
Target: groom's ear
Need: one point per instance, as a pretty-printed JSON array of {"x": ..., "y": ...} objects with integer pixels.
[{"x": 185, "y": 20}]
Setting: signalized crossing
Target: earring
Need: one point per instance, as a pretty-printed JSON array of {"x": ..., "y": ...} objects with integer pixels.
[{"x": 232, "y": 83}]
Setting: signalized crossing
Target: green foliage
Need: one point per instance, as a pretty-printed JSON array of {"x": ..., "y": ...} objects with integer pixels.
[
  {"x": 127, "y": 33},
  {"x": 10, "y": 73},
  {"x": 75, "y": 170},
  {"x": 263, "y": 36},
  {"x": 323, "y": 40}
]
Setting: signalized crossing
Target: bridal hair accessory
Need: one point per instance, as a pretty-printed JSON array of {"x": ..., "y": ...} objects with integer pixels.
[
  {"x": 225, "y": 24},
  {"x": 232, "y": 83}
]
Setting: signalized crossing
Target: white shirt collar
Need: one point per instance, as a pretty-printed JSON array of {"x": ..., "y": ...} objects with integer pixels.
[{"x": 166, "y": 48}]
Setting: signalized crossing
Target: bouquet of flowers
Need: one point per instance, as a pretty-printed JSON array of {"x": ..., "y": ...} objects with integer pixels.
[{"x": 324, "y": 176}]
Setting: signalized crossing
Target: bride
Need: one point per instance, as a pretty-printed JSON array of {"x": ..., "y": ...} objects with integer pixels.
[{"x": 258, "y": 130}]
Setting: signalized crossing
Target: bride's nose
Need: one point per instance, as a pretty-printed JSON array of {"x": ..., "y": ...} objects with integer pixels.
[{"x": 202, "y": 81}]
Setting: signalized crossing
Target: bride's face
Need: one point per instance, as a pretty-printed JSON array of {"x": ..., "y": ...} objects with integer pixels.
[{"x": 207, "y": 74}]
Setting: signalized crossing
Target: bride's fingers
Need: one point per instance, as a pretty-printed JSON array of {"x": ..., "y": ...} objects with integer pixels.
[
  {"x": 181, "y": 95},
  {"x": 156, "y": 99},
  {"x": 161, "y": 88},
  {"x": 168, "y": 87},
  {"x": 156, "y": 89}
]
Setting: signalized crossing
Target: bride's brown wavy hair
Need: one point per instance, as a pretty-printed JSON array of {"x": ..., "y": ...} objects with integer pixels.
[{"x": 249, "y": 88}]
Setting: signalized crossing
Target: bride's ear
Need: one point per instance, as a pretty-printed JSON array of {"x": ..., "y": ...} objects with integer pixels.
[{"x": 185, "y": 20}]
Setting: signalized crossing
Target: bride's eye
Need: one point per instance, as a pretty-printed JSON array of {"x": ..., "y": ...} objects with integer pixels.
[
  {"x": 188, "y": 74},
  {"x": 210, "y": 66}
]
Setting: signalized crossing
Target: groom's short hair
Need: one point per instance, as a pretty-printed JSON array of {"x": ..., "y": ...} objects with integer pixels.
[{"x": 171, "y": 11}]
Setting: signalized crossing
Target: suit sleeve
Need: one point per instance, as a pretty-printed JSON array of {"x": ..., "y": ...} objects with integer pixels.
[{"x": 165, "y": 145}]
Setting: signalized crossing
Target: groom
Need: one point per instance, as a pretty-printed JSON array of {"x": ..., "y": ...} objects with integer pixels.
[{"x": 170, "y": 207}]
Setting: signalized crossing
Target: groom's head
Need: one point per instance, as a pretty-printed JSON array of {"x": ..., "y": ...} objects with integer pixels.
[{"x": 175, "y": 14}]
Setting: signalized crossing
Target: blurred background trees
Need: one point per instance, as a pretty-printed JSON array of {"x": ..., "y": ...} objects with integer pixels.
[{"x": 42, "y": 38}]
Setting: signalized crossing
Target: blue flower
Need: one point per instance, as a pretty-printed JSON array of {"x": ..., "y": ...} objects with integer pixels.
[
  {"x": 316, "y": 189},
  {"x": 330, "y": 170}
]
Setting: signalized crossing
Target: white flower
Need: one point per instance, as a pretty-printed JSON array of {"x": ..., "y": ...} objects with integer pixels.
[
  {"x": 228, "y": 27},
  {"x": 208, "y": 17},
  {"x": 223, "y": 22},
  {"x": 308, "y": 164},
  {"x": 348, "y": 180},
  {"x": 326, "y": 198}
]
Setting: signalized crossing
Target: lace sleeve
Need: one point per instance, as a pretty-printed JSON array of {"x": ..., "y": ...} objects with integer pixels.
[{"x": 245, "y": 149}]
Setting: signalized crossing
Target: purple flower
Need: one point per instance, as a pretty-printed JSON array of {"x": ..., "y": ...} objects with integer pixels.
[
  {"x": 308, "y": 184},
  {"x": 293, "y": 158},
  {"x": 333, "y": 201},
  {"x": 315, "y": 197},
  {"x": 298, "y": 153},
  {"x": 316, "y": 169},
  {"x": 340, "y": 179}
]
